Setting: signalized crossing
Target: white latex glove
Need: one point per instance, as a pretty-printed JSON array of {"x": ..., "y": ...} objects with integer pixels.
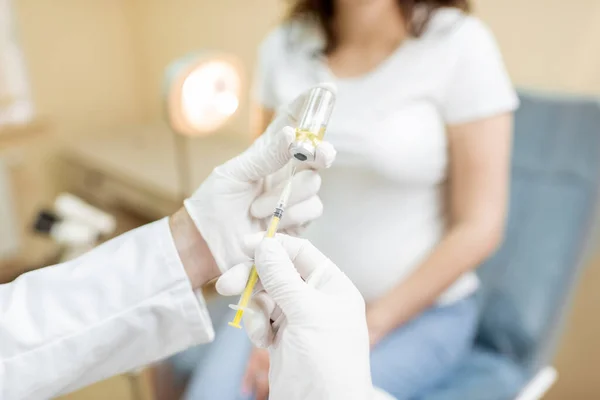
[
  {"x": 306, "y": 206},
  {"x": 232, "y": 202},
  {"x": 318, "y": 340},
  {"x": 305, "y": 182}
]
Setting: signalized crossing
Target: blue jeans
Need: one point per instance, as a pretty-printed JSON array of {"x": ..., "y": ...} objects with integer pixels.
[{"x": 406, "y": 363}]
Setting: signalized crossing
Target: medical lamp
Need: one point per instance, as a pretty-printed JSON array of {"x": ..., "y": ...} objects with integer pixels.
[{"x": 202, "y": 92}]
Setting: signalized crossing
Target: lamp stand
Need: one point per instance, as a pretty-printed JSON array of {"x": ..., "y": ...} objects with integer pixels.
[{"x": 182, "y": 163}]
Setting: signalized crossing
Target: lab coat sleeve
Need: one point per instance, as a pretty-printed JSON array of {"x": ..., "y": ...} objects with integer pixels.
[{"x": 125, "y": 304}]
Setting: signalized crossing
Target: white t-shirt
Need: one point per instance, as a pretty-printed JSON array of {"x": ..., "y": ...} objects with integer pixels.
[{"x": 384, "y": 196}]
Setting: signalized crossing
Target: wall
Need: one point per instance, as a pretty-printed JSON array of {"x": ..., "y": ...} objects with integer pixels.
[
  {"x": 82, "y": 65},
  {"x": 550, "y": 44},
  {"x": 91, "y": 62},
  {"x": 80, "y": 54},
  {"x": 170, "y": 29}
]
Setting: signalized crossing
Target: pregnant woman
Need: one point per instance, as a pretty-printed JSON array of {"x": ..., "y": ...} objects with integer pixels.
[{"x": 422, "y": 85}]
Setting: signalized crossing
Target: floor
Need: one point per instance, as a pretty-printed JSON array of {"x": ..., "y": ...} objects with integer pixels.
[{"x": 122, "y": 387}]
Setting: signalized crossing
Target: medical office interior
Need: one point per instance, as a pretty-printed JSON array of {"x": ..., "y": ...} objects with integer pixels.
[{"x": 90, "y": 147}]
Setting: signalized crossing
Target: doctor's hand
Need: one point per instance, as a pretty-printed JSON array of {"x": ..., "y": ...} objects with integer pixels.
[
  {"x": 311, "y": 318},
  {"x": 232, "y": 202},
  {"x": 306, "y": 182}
]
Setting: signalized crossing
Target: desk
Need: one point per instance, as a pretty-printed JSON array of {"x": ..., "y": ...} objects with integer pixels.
[
  {"x": 134, "y": 168},
  {"x": 24, "y": 150}
]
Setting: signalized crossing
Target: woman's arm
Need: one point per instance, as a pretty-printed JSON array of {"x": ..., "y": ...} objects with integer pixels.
[{"x": 478, "y": 193}]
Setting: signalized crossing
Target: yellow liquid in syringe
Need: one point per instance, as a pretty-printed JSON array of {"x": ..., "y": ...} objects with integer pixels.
[
  {"x": 271, "y": 231},
  {"x": 252, "y": 281}
]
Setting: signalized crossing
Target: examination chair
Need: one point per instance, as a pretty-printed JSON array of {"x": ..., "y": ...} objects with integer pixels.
[{"x": 527, "y": 285}]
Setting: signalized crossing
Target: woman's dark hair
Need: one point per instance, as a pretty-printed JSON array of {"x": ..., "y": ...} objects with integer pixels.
[{"x": 416, "y": 14}]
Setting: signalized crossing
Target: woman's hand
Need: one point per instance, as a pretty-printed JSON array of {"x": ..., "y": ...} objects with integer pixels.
[
  {"x": 378, "y": 323},
  {"x": 256, "y": 378}
]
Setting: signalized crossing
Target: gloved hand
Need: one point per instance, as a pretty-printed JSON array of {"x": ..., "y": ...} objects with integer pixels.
[
  {"x": 231, "y": 202},
  {"x": 306, "y": 180},
  {"x": 318, "y": 340}
]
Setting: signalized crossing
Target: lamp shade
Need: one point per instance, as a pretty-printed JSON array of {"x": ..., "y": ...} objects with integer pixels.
[{"x": 202, "y": 92}]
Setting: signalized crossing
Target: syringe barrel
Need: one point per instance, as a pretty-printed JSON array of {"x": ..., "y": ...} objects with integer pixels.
[{"x": 313, "y": 121}]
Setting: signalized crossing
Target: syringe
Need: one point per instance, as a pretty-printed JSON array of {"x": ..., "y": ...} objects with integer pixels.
[
  {"x": 271, "y": 230},
  {"x": 311, "y": 127}
]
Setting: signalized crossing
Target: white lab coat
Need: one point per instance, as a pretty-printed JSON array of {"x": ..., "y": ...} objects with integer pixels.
[{"x": 123, "y": 305}]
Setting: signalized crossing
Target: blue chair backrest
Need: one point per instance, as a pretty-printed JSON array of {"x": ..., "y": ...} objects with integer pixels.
[{"x": 555, "y": 178}]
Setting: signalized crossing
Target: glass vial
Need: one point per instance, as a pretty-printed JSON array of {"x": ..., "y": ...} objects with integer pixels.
[{"x": 313, "y": 122}]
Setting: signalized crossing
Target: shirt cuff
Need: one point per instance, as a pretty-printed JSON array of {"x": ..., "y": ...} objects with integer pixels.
[{"x": 191, "y": 303}]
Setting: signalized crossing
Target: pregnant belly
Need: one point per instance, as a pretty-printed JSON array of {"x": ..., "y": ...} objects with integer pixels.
[{"x": 376, "y": 258}]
